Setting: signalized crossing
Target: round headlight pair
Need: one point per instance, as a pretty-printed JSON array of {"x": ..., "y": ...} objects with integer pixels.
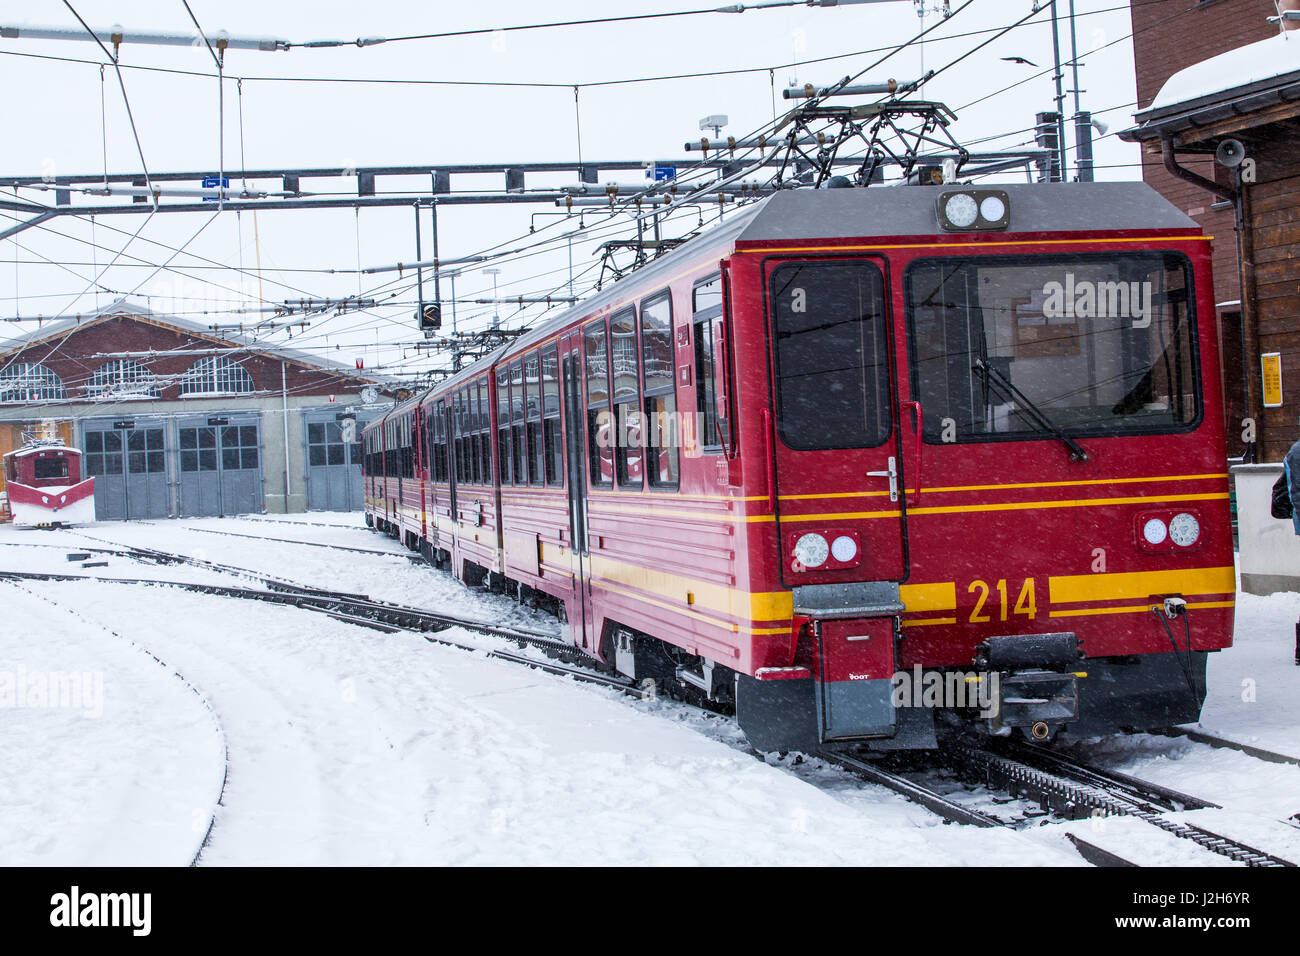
[
  {"x": 1183, "y": 530},
  {"x": 812, "y": 549},
  {"x": 962, "y": 209}
]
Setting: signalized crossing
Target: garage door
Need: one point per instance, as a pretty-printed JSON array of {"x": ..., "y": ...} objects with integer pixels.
[
  {"x": 333, "y": 461},
  {"x": 220, "y": 466},
  {"x": 129, "y": 463}
]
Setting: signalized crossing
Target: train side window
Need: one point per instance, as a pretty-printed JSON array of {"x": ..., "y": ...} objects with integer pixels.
[
  {"x": 503, "y": 424},
  {"x": 533, "y": 416},
  {"x": 661, "y": 438},
  {"x": 517, "y": 422},
  {"x": 551, "y": 438},
  {"x": 458, "y": 437},
  {"x": 484, "y": 432},
  {"x": 476, "y": 439},
  {"x": 408, "y": 448},
  {"x": 440, "y": 419},
  {"x": 713, "y": 375},
  {"x": 626, "y": 413},
  {"x": 600, "y": 448}
]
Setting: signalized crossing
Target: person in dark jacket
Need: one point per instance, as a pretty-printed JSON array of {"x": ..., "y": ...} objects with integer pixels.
[{"x": 1291, "y": 466}]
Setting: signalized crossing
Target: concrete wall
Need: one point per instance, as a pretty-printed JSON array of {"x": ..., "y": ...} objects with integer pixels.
[{"x": 1269, "y": 557}]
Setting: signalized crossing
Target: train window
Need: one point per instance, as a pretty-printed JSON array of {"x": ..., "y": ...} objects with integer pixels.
[
  {"x": 1081, "y": 345},
  {"x": 713, "y": 376},
  {"x": 832, "y": 355},
  {"x": 660, "y": 431},
  {"x": 519, "y": 466},
  {"x": 551, "y": 439},
  {"x": 533, "y": 416},
  {"x": 485, "y": 432},
  {"x": 600, "y": 450},
  {"x": 503, "y": 424},
  {"x": 50, "y": 468},
  {"x": 626, "y": 411}
]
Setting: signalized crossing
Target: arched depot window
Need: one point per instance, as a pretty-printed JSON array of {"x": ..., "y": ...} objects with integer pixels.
[
  {"x": 216, "y": 375},
  {"x": 120, "y": 379},
  {"x": 30, "y": 382}
]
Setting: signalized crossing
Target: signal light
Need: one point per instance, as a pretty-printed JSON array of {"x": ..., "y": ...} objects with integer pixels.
[{"x": 431, "y": 318}]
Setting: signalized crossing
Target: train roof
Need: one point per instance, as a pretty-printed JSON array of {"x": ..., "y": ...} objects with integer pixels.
[
  {"x": 819, "y": 214},
  {"x": 836, "y": 214},
  {"x": 32, "y": 449}
]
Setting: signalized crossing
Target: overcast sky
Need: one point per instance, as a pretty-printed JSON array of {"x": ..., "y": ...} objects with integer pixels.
[{"x": 54, "y": 124}]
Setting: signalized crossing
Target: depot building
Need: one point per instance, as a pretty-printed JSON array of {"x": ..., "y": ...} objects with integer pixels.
[{"x": 178, "y": 420}]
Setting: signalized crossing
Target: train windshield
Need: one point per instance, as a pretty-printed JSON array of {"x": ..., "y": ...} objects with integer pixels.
[
  {"x": 832, "y": 354},
  {"x": 1068, "y": 345},
  {"x": 50, "y": 468}
]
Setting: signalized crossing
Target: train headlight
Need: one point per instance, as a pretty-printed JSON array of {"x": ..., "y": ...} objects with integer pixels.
[
  {"x": 1184, "y": 529},
  {"x": 811, "y": 550},
  {"x": 1155, "y": 531},
  {"x": 844, "y": 549},
  {"x": 970, "y": 210},
  {"x": 961, "y": 210},
  {"x": 993, "y": 209}
]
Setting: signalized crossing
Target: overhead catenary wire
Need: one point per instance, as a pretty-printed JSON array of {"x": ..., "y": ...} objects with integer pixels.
[{"x": 513, "y": 252}]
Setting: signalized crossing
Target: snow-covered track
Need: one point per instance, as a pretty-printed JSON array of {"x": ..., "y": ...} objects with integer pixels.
[
  {"x": 405, "y": 555},
  {"x": 932, "y": 800},
  {"x": 1212, "y": 740},
  {"x": 360, "y": 610},
  {"x": 1076, "y": 791},
  {"x": 12, "y": 579}
]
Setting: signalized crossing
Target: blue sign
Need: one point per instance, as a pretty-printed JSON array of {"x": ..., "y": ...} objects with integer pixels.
[
  {"x": 210, "y": 182},
  {"x": 661, "y": 173}
]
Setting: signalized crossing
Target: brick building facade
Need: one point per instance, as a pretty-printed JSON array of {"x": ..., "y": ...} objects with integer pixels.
[{"x": 175, "y": 419}]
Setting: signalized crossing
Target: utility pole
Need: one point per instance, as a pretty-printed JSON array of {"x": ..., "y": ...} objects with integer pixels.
[
  {"x": 1082, "y": 120},
  {"x": 1060, "y": 92}
]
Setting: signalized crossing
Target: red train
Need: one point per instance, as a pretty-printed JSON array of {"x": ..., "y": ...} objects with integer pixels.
[
  {"x": 45, "y": 487},
  {"x": 863, "y": 463}
]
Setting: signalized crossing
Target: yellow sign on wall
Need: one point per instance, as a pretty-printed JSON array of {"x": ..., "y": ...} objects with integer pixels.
[{"x": 1271, "y": 378}]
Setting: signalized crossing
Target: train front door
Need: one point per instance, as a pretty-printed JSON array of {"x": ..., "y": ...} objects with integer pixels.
[
  {"x": 835, "y": 433},
  {"x": 575, "y": 469}
]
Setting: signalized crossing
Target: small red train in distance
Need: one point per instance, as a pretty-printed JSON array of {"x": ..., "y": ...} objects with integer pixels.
[
  {"x": 863, "y": 464},
  {"x": 45, "y": 487}
]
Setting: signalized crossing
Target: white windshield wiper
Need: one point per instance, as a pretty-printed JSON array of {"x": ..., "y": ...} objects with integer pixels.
[{"x": 1031, "y": 410}]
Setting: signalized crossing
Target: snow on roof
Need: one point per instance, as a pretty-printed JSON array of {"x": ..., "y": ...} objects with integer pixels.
[
  {"x": 32, "y": 449},
  {"x": 1253, "y": 63},
  {"x": 249, "y": 341}
]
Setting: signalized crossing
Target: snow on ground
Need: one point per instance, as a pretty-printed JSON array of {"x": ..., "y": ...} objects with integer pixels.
[
  {"x": 126, "y": 768},
  {"x": 351, "y": 746}
]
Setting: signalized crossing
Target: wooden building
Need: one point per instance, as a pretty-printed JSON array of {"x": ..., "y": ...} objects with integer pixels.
[{"x": 1213, "y": 75}]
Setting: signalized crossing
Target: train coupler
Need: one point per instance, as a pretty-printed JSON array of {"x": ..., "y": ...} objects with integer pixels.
[{"x": 1037, "y": 681}]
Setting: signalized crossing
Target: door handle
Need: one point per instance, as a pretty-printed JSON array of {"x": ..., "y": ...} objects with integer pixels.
[{"x": 891, "y": 474}]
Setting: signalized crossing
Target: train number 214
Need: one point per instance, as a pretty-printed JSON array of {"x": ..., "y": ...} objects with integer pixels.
[{"x": 1025, "y": 601}]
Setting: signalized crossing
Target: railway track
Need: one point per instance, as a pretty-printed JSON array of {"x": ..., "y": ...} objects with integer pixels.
[
  {"x": 382, "y": 616},
  {"x": 220, "y": 801},
  {"x": 406, "y": 555},
  {"x": 1212, "y": 740},
  {"x": 1076, "y": 791}
]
